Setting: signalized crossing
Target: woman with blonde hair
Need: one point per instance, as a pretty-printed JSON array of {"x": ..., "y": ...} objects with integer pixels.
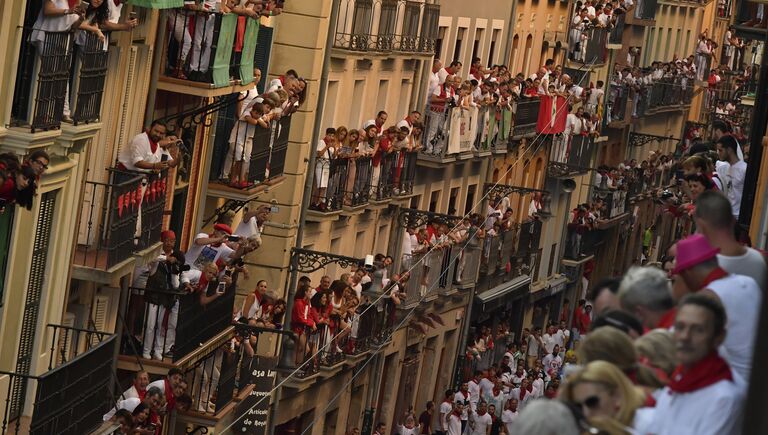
[
  {"x": 612, "y": 345},
  {"x": 601, "y": 389},
  {"x": 657, "y": 350}
]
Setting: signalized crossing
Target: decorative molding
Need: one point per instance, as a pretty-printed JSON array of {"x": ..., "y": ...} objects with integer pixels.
[
  {"x": 506, "y": 190},
  {"x": 307, "y": 261},
  {"x": 410, "y": 217}
]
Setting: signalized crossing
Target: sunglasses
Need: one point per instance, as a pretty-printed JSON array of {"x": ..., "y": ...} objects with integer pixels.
[
  {"x": 590, "y": 402},
  {"x": 43, "y": 165}
]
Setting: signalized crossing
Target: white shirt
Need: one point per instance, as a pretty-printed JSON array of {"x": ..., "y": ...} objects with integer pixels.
[
  {"x": 405, "y": 431},
  {"x": 198, "y": 255},
  {"x": 562, "y": 336},
  {"x": 407, "y": 248},
  {"x": 734, "y": 178},
  {"x": 486, "y": 387},
  {"x": 139, "y": 149},
  {"x": 442, "y": 75},
  {"x": 474, "y": 392},
  {"x": 128, "y": 404},
  {"x": 549, "y": 342},
  {"x": 508, "y": 417},
  {"x": 552, "y": 363},
  {"x": 480, "y": 424},
  {"x": 716, "y": 409},
  {"x": 595, "y": 96},
  {"x": 741, "y": 298},
  {"x": 459, "y": 398},
  {"x": 445, "y": 409},
  {"x": 454, "y": 425},
  {"x": 751, "y": 264},
  {"x": 249, "y": 228},
  {"x": 434, "y": 82}
]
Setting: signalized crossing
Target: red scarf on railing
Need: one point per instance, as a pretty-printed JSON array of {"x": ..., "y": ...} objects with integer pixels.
[{"x": 710, "y": 370}]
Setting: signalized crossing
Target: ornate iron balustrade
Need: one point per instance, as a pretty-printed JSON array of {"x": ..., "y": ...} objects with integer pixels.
[
  {"x": 70, "y": 399},
  {"x": 564, "y": 170},
  {"x": 308, "y": 261},
  {"x": 49, "y": 90},
  {"x": 617, "y": 31},
  {"x": 410, "y": 217},
  {"x": 592, "y": 49},
  {"x": 582, "y": 241},
  {"x": 574, "y": 150},
  {"x": 123, "y": 215},
  {"x": 526, "y": 116},
  {"x": 501, "y": 190}
]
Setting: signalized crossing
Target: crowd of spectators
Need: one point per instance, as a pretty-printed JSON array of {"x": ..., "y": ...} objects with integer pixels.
[
  {"x": 19, "y": 179},
  {"x": 374, "y": 162},
  {"x": 666, "y": 349}
]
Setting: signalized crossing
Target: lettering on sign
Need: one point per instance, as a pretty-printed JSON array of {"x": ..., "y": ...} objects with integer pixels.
[{"x": 260, "y": 373}]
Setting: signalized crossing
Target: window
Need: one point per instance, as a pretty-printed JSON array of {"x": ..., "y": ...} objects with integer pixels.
[
  {"x": 405, "y": 96},
  {"x": 471, "y": 190},
  {"x": 6, "y": 229},
  {"x": 552, "y": 257},
  {"x": 429, "y": 25},
  {"x": 361, "y": 24},
  {"x": 387, "y": 21},
  {"x": 452, "y": 200},
  {"x": 415, "y": 201},
  {"x": 439, "y": 42},
  {"x": 477, "y": 44},
  {"x": 411, "y": 20},
  {"x": 381, "y": 98},
  {"x": 360, "y": 248},
  {"x": 355, "y": 109},
  {"x": 492, "y": 48},
  {"x": 457, "y": 48},
  {"x": 329, "y": 113},
  {"x": 434, "y": 200}
]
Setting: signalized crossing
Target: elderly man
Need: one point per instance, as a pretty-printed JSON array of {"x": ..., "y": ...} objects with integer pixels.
[
  {"x": 645, "y": 292},
  {"x": 604, "y": 297},
  {"x": 703, "y": 395},
  {"x": 714, "y": 219},
  {"x": 696, "y": 264}
]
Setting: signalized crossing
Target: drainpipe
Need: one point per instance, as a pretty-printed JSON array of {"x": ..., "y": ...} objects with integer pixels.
[
  {"x": 510, "y": 35},
  {"x": 287, "y": 345}
]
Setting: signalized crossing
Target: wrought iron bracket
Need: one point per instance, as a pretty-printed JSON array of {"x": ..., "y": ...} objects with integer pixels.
[
  {"x": 502, "y": 190},
  {"x": 200, "y": 114},
  {"x": 563, "y": 170},
  {"x": 229, "y": 205},
  {"x": 641, "y": 139},
  {"x": 410, "y": 217},
  {"x": 307, "y": 261}
]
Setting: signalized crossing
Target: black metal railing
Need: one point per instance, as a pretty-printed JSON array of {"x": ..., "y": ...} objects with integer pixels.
[
  {"x": 582, "y": 241},
  {"x": 94, "y": 59},
  {"x": 618, "y": 95},
  {"x": 51, "y": 57},
  {"x": 703, "y": 62},
  {"x": 123, "y": 215},
  {"x": 617, "y": 30},
  {"x": 614, "y": 202},
  {"x": 526, "y": 117},
  {"x": 171, "y": 324},
  {"x": 69, "y": 399},
  {"x": 357, "y": 190},
  {"x": 592, "y": 49},
  {"x": 68, "y": 342},
  {"x": 645, "y": 9},
  {"x": 199, "y": 46},
  {"x": 330, "y": 181},
  {"x": 574, "y": 150},
  {"x": 459, "y": 130},
  {"x": 670, "y": 91}
]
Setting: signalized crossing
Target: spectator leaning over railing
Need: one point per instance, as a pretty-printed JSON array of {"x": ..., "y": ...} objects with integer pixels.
[
  {"x": 139, "y": 386},
  {"x": 326, "y": 152},
  {"x": 162, "y": 305},
  {"x": 150, "y": 150},
  {"x": 258, "y": 114},
  {"x": 210, "y": 248},
  {"x": 18, "y": 183}
]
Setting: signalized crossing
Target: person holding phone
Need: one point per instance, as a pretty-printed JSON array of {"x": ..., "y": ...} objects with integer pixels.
[{"x": 150, "y": 151}]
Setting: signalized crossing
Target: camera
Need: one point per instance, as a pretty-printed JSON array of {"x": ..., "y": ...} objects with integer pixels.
[{"x": 233, "y": 238}]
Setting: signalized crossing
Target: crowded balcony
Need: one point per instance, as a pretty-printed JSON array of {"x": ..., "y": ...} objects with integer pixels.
[
  {"x": 247, "y": 158},
  {"x": 202, "y": 54},
  {"x": 637, "y": 99},
  {"x": 352, "y": 181},
  {"x": 60, "y": 75},
  {"x": 643, "y": 13},
  {"x": 72, "y": 395},
  {"x": 591, "y": 46},
  {"x": 120, "y": 217},
  {"x": 386, "y": 26},
  {"x": 574, "y": 150}
]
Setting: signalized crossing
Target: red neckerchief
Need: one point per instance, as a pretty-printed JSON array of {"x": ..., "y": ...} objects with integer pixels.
[
  {"x": 549, "y": 395},
  {"x": 169, "y": 397},
  {"x": 668, "y": 319},
  {"x": 496, "y": 391},
  {"x": 524, "y": 391},
  {"x": 716, "y": 274},
  {"x": 257, "y": 295},
  {"x": 140, "y": 392},
  {"x": 152, "y": 144},
  {"x": 711, "y": 369},
  {"x": 72, "y": 3}
]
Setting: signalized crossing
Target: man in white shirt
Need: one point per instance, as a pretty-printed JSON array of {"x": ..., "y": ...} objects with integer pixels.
[
  {"x": 552, "y": 362},
  {"x": 703, "y": 395},
  {"x": 549, "y": 338},
  {"x": 563, "y": 335},
  {"x": 139, "y": 387},
  {"x": 727, "y": 151},
  {"x": 462, "y": 397},
  {"x": 209, "y": 248},
  {"x": 480, "y": 422},
  {"x": 509, "y": 415},
  {"x": 696, "y": 265},
  {"x": 253, "y": 222},
  {"x": 595, "y": 97},
  {"x": 714, "y": 219},
  {"x": 453, "y": 69},
  {"x": 148, "y": 151},
  {"x": 381, "y": 118},
  {"x": 474, "y": 390},
  {"x": 534, "y": 344},
  {"x": 414, "y": 116},
  {"x": 446, "y": 409},
  {"x": 152, "y": 399},
  {"x": 453, "y": 421},
  {"x": 486, "y": 384}
]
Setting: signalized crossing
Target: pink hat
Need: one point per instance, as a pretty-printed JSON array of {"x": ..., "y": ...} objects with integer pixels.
[{"x": 692, "y": 251}]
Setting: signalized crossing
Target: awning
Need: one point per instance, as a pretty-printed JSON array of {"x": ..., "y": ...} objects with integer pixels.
[
  {"x": 554, "y": 286},
  {"x": 158, "y": 4},
  {"x": 503, "y": 293}
]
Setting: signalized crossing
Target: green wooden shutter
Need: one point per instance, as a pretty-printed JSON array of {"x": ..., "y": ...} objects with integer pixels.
[
  {"x": 158, "y": 4},
  {"x": 250, "y": 41}
]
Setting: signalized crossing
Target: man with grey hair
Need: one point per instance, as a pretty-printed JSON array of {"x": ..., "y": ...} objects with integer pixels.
[
  {"x": 546, "y": 417},
  {"x": 645, "y": 292}
]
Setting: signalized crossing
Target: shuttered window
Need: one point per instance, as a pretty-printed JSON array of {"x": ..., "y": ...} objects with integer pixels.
[
  {"x": 261, "y": 57},
  {"x": 6, "y": 228}
]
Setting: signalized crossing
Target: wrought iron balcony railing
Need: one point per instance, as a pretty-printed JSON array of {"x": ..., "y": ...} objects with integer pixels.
[
  {"x": 260, "y": 158},
  {"x": 645, "y": 9},
  {"x": 617, "y": 31},
  {"x": 72, "y": 397},
  {"x": 121, "y": 216},
  {"x": 592, "y": 48},
  {"x": 93, "y": 74},
  {"x": 41, "y": 91},
  {"x": 199, "y": 47},
  {"x": 582, "y": 241}
]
